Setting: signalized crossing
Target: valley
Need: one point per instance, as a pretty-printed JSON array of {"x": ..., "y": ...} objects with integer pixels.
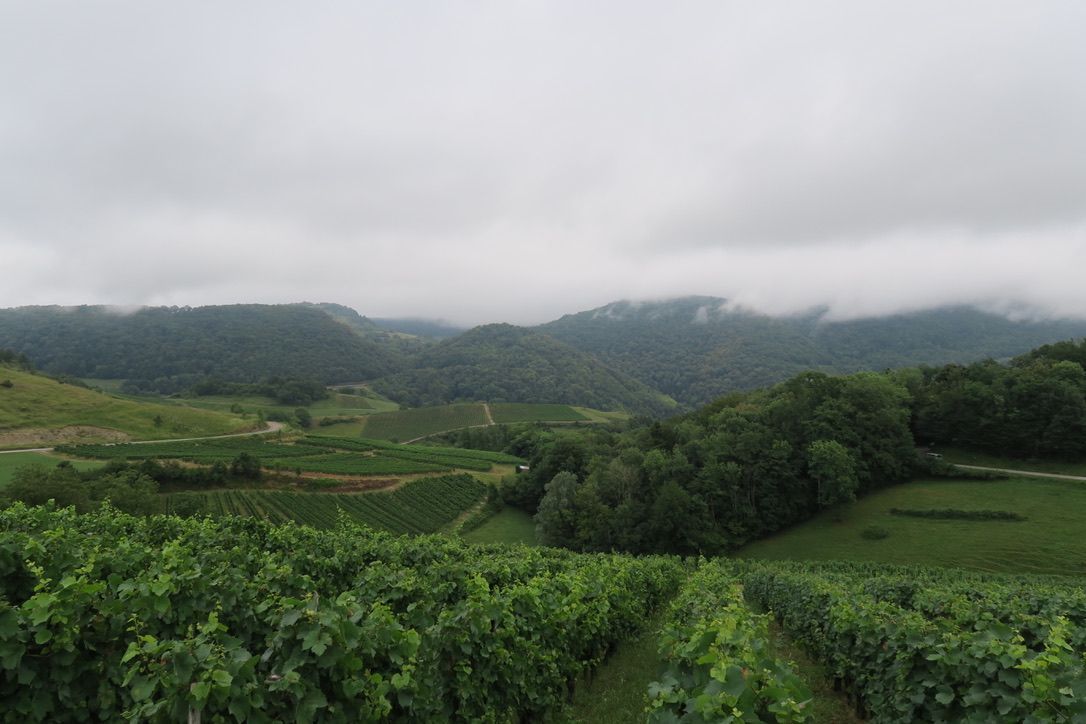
[{"x": 720, "y": 536}]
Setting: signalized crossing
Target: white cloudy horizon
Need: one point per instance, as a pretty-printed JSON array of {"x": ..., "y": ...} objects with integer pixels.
[{"x": 517, "y": 161}]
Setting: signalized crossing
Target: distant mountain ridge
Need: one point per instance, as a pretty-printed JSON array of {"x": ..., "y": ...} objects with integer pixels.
[
  {"x": 636, "y": 356},
  {"x": 697, "y": 348}
]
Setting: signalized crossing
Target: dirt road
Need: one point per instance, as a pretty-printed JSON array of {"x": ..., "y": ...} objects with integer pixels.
[{"x": 1030, "y": 473}]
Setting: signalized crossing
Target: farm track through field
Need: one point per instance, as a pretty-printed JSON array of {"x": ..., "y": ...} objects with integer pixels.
[
  {"x": 271, "y": 427},
  {"x": 1029, "y": 473}
]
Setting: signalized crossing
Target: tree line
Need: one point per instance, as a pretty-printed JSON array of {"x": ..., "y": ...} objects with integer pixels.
[{"x": 750, "y": 464}]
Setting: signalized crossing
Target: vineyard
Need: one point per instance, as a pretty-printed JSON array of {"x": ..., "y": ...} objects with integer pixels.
[
  {"x": 314, "y": 454},
  {"x": 404, "y": 425},
  {"x": 907, "y": 644},
  {"x": 106, "y": 617},
  {"x": 113, "y": 617},
  {"x": 419, "y": 506},
  {"x": 505, "y": 412}
]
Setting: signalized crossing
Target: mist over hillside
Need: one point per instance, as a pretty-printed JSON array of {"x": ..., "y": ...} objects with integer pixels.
[{"x": 626, "y": 355}]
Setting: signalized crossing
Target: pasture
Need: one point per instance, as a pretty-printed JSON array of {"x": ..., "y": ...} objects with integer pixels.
[
  {"x": 1050, "y": 540},
  {"x": 509, "y": 525},
  {"x": 38, "y": 411}
]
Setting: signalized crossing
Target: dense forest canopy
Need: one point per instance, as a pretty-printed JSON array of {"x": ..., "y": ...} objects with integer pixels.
[
  {"x": 167, "y": 349},
  {"x": 752, "y": 463},
  {"x": 697, "y": 348},
  {"x": 733, "y": 471},
  {"x": 503, "y": 363},
  {"x": 1034, "y": 407}
]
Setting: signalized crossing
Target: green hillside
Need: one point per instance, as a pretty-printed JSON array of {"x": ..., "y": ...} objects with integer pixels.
[
  {"x": 1047, "y": 541},
  {"x": 36, "y": 410},
  {"x": 503, "y": 363},
  {"x": 167, "y": 349},
  {"x": 697, "y": 348}
]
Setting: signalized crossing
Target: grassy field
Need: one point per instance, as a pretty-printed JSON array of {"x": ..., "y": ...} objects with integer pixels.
[
  {"x": 336, "y": 405},
  {"x": 35, "y": 408},
  {"x": 1049, "y": 541},
  {"x": 965, "y": 457},
  {"x": 508, "y": 526},
  {"x": 10, "y": 462},
  {"x": 504, "y": 412}
]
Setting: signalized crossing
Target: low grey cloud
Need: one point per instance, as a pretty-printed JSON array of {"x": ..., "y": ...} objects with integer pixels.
[{"x": 520, "y": 160}]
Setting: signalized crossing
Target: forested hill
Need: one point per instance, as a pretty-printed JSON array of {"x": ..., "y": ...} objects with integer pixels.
[
  {"x": 500, "y": 362},
  {"x": 172, "y": 347},
  {"x": 697, "y": 348}
]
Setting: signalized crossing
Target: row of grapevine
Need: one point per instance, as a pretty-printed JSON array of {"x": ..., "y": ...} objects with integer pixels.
[
  {"x": 925, "y": 645},
  {"x": 718, "y": 663},
  {"x": 308, "y": 455},
  {"x": 110, "y": 617},
  {"x": 424, "y": 505},
  {"x": 355, "y": 464},
  {"x": 210, "y": 450},
  {"x": 451, "y": 453}
]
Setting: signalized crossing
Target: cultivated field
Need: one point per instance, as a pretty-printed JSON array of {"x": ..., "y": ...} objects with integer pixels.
[
  {"x": 504, "y": 412},
  {"x": 405, "y": 425},
  {"x": 313, "y": 454},
  {"x": 423, "y": 505}
]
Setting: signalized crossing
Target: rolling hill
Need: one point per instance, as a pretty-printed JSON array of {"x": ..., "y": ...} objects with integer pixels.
[
  {"x": 36, "y": 410},
  {"x": 503, "y": 363},
  {"x": 169, "y": 348},
  {"x": 696, "y": 348}
]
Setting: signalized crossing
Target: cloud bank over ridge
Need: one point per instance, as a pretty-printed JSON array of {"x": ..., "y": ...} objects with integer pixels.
[{"x": 517, "y": 161}]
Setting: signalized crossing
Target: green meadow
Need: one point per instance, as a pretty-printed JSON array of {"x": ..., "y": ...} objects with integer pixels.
[
  {"x": 1050, "y": 540},
  {"x": 35, "y": 409}
]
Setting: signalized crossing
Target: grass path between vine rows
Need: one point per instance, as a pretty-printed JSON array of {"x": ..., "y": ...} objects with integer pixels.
[
  {"x": 617, "y": 691},
  {"x": 829, "y": 706}
]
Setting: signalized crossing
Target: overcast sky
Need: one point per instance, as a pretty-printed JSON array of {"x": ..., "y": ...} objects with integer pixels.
[{"x": 517, "y": 160}]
